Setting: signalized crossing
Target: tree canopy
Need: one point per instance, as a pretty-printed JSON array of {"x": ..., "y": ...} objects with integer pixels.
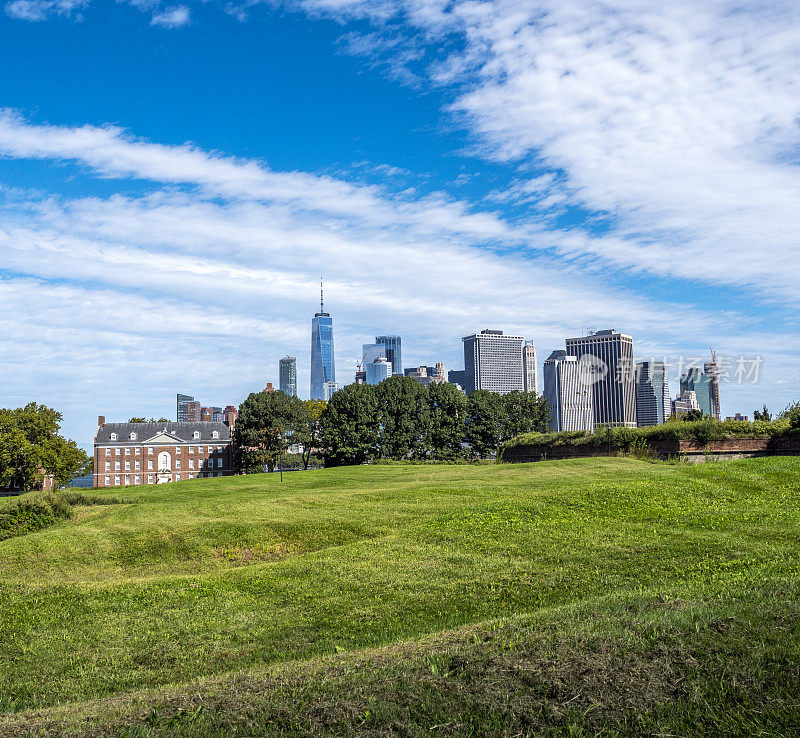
[
  {"x": 30, "y": 442},
  {"x": 265, "y": 427},
  {"x": 401, "y": 418}
]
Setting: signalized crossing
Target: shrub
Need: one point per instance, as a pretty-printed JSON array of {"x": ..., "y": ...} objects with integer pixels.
[
  {"x": 42, "y": 510},
  {"x": 699, "y": 431}
]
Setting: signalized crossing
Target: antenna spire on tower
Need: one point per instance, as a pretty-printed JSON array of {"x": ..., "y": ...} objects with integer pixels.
[{"x": 321, "y": 302}]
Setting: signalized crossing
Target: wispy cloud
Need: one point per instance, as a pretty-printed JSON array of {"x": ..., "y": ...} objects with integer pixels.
[
  {"x": 677, "y": 120},
  {"x": 175, "y": 17},
  {"x": 39, "y": 10},
  {"x": 207, "y": 278}
]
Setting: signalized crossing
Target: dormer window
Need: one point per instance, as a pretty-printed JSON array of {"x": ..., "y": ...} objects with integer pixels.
[
  {"x": 133, "y": 436},
  {"x": 215, "y": 434},
  {"x": 113, "y": 436},
  {"x": 196, "y": 434}
]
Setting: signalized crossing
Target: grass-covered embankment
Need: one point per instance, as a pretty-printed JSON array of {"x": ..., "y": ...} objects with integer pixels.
[
  {"x": 595, "y": 593},
  {"x": 631, "y": 439}
]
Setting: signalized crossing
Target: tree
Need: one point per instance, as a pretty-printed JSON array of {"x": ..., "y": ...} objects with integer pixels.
[
  {"x": 349, "y": 426},
  {"x": 447, "y": 410},
  {"x": 693, "y": 415},
  {"x": 485, "y": 421},
  {"x": 792, "y": 414},
  {"x": 30, "y": 444},
  {"x": 137, "y": 420},
  {"x": 264, "y": 427},
  {"x": 404, "y": 418},
  {"x": 762, "y": 414},
  {"x": 308, "y": 435},
  {"x": 524, "y": 412}
]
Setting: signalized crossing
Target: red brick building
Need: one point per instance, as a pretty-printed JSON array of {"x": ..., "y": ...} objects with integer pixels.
[{"x": 127, "y": 454}]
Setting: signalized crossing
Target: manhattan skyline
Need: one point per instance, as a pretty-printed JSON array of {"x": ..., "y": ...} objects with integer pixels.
[{"x": 173, "y": 180}]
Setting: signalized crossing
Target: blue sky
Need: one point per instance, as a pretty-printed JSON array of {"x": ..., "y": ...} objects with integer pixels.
[{"x": 175, "y": 178}]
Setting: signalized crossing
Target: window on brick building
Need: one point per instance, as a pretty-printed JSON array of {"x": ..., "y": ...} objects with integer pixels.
[
  {"x": 219, "y": 462},
  {"x": 191, "y": 449},
  {"x": 177, "y": 463},
  {"x": 108, "y": 481},
  {"x": 116, "y": 466},
  {"x": 108, "y": 466},
  {"x": 149, "y": 478},
  {"x": 137, "y": 464},
  {"x": 127, "y": 451},
  {"x": 149, "y": 449},
  {"x": 127, "y": 466},
  {"x": 191, "y": 463},
  {"x": 150, "y": 464},
  {"x": 116, "y": 481},
  {"x": 137, "y": 479}
]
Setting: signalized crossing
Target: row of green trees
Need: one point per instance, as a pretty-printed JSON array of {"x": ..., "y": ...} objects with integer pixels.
[
  {"x": 31, "y": 446},
  {"x": 396, "y": 419}
]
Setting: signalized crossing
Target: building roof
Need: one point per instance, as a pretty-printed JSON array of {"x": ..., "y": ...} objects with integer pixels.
[{"x": 184, "y": 431}]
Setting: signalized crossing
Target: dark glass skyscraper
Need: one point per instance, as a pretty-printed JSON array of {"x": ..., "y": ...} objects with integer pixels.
[
  {"x": 287, "y": 375},
  {"x": 393, "y": 346},
  {"x": 322, "y": 366}
]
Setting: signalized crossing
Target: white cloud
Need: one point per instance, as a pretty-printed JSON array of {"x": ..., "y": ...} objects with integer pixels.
[
  {"x": 132, "y": 297},
  {"x": 174, "y": 17},
  {"x": 679, "y": 120},
  {"x": 39, "y": 10}
]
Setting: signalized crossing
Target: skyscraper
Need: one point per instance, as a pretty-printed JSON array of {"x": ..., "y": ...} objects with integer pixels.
[
  {"x": 529, "y": 368},
  {"x": 287, "y": 375},
  {"x": 183, "y": 407},
  {"x": 372, "y": 351},
  {"x": 702, "y": 385},
  {"x": 493, "y": 361},
  {"x": 609, "y": 355},
  {"x": 322, "y": 366},
  {"x": 685, "y": 402},
  {"x": 712, "y": 370},
  {"x": 653, "y": 403},
  {"x": 378, "y": 370},
  {"x": 394, "y": 351},
  {"x": 568, "y": 390}
]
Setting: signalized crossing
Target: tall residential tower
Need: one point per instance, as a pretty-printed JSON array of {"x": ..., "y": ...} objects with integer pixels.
[{"x": 287, "y": 375}]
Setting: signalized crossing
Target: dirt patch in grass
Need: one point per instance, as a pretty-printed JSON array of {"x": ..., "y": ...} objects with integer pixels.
[{"x": 242, "y": 555}]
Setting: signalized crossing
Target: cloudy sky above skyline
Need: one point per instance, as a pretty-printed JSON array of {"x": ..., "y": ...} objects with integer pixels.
[{"x": 174, "y": 179}]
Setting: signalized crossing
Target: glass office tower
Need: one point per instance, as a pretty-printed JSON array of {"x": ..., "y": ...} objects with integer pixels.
[
  {"x": 322, "y": 367},
  {"x": 287, "y": 375},
  {"x": 394, "y": 351}
]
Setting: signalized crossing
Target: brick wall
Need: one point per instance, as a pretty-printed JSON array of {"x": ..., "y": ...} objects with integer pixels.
[
  {"x": 197, "y": 462},
  {"x": 789, "y": 445}
]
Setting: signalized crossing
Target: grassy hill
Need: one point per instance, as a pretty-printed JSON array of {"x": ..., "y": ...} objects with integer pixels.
[{"x": 585, "y": 595}]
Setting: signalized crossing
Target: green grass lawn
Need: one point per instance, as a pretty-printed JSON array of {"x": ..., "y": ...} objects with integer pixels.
[{"x": 572, "y": 596}]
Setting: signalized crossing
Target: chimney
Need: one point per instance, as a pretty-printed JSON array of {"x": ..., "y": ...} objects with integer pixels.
[{"x": 101, "y": 420}]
